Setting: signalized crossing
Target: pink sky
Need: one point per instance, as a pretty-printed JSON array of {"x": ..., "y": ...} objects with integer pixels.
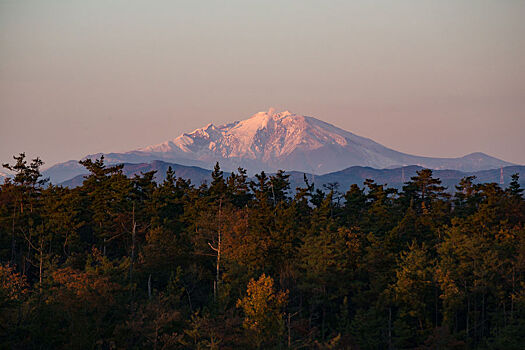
[{"x": 432, "y": 78}]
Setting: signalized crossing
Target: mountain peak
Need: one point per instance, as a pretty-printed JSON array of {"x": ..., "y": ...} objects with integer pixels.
[
  {"x": 270, "y": 114},
  {"x": 272, "y": 140}
]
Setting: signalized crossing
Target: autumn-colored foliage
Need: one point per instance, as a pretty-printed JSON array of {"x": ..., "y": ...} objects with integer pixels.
[
  {"x": 262, "y": 307},
  {"x": 13, "y": 286},
  {"x": 246, "y": 262}
]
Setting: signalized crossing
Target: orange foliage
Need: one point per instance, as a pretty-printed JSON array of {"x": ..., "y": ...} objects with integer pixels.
[
  {"x": 13, "y": 286},
  {"x": 86, "y": 286}
]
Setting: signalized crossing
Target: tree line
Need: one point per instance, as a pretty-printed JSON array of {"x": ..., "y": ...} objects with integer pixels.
[{"x": 240, "y": 263}]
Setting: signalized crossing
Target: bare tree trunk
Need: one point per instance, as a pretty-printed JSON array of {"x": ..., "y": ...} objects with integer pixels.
[
  {"x": 66, "y": 253},
  {"x": 435, "y": 306},
  {"x": 273, "y": 193},
  {"x": 149, "y": 286},
  {"x": 468, "y": 311},
  {"x": 289, "y": 333},
  {"x": 41, "y": 261},
  {"x": 189, "y": 298},
  {"x": 482, "y": 315},
  {"x": 40, "y": 250},
  {"x": 390, "y": 328},
  {"x": 504, "y": 314},
  {"x": 219, "y": 244},
  {"x": 218, "y": 251},
  {"x": 133, "y": 232},
  {"x": 29, "y": 244},
  {"x": 156, "y": 337},
  {"x": 13, "y": 239},
  {"x": 104, "y": 241},
  {"x": 475, "y": 317},
  {"x": 323, "y": 322},
  {"x": 289, "y": 325},
  {"x": 513, "y": 292}
]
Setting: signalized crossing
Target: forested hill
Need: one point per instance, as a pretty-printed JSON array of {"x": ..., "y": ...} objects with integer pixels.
[
  {"x": 123, "y": 262},
  {"x": 344, "y": 179},
  {"x": 397, "y": 177},
  {"x": 195, "y": 174}
]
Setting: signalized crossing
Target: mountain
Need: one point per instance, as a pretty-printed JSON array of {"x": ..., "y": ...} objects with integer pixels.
[
  {"x": 195, "y": 174},
  {"x": 354, "y": 175},
  {"x": 397, "y": 177},
  {"x": 61, "y": 172},
  {"x": 3, "y": 176},
  {"x": 270, "y": 141}
]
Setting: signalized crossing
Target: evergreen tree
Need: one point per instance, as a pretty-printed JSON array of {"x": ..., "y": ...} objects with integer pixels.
[{"x": 129, "y": 262}]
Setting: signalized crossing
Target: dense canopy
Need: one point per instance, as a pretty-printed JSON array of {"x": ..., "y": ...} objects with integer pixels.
[{"x": 128, "y": 263}]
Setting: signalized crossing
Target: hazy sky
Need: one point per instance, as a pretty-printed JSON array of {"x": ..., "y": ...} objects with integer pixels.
[{"x": 434, "y": 78}]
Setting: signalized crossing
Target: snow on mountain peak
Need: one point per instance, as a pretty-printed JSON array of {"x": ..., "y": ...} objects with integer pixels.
[
  {"x": 262, "y": 136},
  {"x": 272, "y": 140}
]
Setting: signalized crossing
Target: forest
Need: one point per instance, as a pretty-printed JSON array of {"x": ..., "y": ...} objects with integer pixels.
[{"x": 250, "y": 263}]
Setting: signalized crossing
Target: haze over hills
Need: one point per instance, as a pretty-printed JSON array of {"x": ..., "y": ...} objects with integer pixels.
[
  {"x": 344, "y": 178},
  {"x": 271, "y": 141},
  {"x": 195, "y": 174}
]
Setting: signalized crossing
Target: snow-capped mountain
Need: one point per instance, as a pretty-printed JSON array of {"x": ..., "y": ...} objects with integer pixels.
[
  {"x": 3, "y": 176},
  {"x": 270, "y": 141}
]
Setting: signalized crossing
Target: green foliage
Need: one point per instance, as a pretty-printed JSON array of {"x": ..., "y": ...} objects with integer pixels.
[
  {"x": 129, "y": 263},
  {"x": 262, "y": 307}
]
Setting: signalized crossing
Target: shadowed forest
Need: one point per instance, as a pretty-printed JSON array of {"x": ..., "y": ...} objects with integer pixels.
[{"x": 240, "y": 263}]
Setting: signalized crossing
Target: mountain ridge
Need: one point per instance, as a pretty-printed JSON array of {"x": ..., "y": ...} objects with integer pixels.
[
  {"x": 344, "y": 178},
  {"x": 270, "y": 141}
]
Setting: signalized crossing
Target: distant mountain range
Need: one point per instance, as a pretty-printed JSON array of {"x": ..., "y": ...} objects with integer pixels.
[
  {"x": 197, "y": 175},
  {"x": 397, "y": 177},
  {"x": 3, "y": 176},
  {"x": 271, "y": 141},
  {"x": 344, "y": 178}
]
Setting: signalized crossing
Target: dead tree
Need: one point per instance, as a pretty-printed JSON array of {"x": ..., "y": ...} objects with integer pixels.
[{"x": 217, "y": 249}]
